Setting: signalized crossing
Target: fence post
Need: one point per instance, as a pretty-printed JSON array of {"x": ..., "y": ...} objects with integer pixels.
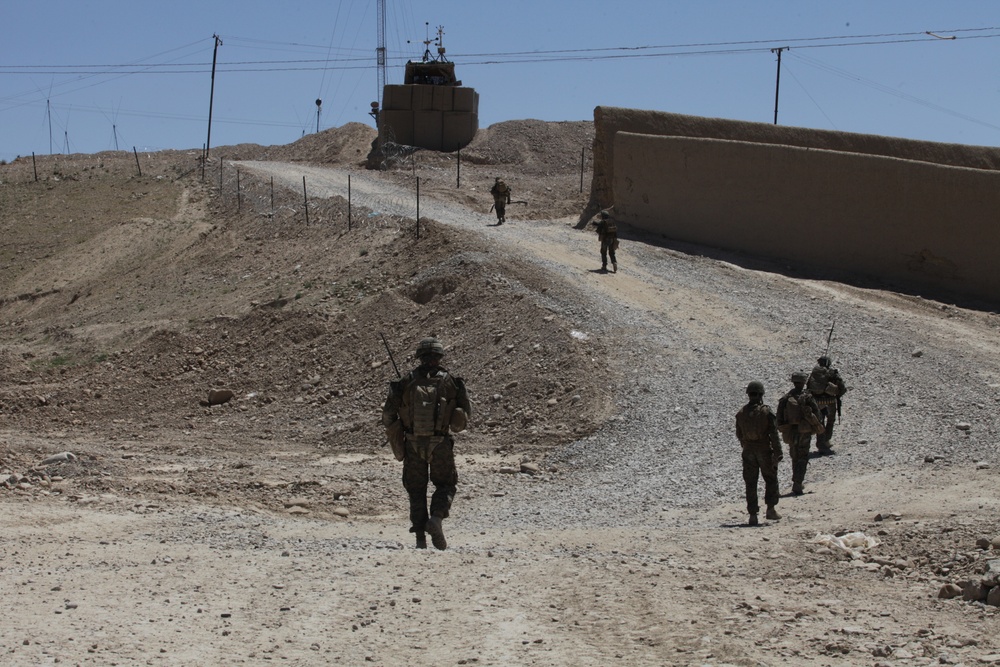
[
  {"x": 34, "y": 166},
  {"x": 272, "y": 197},
  {"x": 137, "y": 165},
  {"x": 458, "y": 169},
  {"x": 239, "y": 193},
  {"x": 418, "y": 207},
  {"x": 305, "y": 198},
  {"x": 348, "y": 202},
  {"x": 583, "y": 151}
]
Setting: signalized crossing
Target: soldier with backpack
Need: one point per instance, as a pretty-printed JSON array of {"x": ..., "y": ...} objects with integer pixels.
[
  {"x": 501, "y": 197},
  {"x": 422, "y": 409},
  {"x": 827, "y": 388},
  {"x": 756, "y": 429},
  {"x": 798, "y": 420},
  {"x": 607, "y": 233}
]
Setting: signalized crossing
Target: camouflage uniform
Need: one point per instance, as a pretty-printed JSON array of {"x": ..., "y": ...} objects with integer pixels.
[
  {"x": 501, "y": 197},
  {"x": 607, "y": 232},
  {"x": 826, "y": 387},
  {"x": 428, "y": 457},
  {"x": 797, "y": 429},
  {"x": 757, "y": 431}
]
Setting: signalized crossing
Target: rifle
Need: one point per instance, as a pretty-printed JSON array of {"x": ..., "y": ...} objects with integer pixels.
[
  {"x": 516, "y": 201},
  {"x": 394, "y": 432},
  {"x": 386, "y": 343}
]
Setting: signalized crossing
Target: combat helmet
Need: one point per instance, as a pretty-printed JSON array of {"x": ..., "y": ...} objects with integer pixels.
[
  {"x": 429, "y": 346},
  {"x": 755, "y": 387},
  {"x": 824, "y": 361},
  {"x": 605, "y": 215},
  {"x": 799, "y": 376}
]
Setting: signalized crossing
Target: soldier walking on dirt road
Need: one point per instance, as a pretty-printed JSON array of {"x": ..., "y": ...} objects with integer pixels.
[
  {"x": 827, "y": 387},
  {"x": 757, "y": 431},
  {"x": 501, "y": 197},
  {"x": 607, "y": 232},
  {"x": 798, "y": 420},
  {"x": 421, "y": 410}
]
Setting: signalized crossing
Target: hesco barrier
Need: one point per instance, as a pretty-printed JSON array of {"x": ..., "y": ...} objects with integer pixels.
[{"x": 920, "y": 214}]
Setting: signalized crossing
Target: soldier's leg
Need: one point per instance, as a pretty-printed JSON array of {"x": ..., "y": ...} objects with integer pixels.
[
  {"x": 611, "y": 253},
  {"x": 604, "y": 255},
  {"x": 444, "y": 476},
  {"x": 415, "y": 482},
  {"x": 799, "y": 453},
  {"x": 445, "y": 479},
  {"x": 750, "y": 476},
  {"x": 769, "y": 471},
  {"x": 831, "y": 419}
]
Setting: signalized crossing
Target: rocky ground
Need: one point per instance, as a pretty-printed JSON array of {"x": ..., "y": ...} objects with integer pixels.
[{"x": 600, "y": 515}]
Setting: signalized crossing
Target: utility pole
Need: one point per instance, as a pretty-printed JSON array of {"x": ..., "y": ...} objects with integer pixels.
[
  {"x": 211, "y": 95},
  {"x": 777, "y": 83}
]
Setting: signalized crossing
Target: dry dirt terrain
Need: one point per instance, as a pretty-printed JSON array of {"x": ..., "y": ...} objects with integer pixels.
[{"x": 192, "y": 469}]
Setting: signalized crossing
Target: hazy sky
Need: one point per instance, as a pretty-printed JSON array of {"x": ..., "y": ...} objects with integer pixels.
[{"x": 83, "y": 76}]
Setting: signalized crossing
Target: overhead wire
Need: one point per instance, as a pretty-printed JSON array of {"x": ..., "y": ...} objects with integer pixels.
[
  {"x": 889, "y": 90},
  {"x": 352, "y": 58},
  {"x": 516, "y": 57}
]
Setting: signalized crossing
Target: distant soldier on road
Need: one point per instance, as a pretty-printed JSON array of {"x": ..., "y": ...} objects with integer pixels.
[
  {"x": 421, "y": 410},
  {"x": 757, "y": 431},
  {"x": 501, "y": 197},
  {"x": 798, "y": 420},
  {"x": 607, "y": 232},
  {"x": 827, "y": 388}
]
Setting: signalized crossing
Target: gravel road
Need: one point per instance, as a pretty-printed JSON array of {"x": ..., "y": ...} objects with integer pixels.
[{"x": 690, "y": 331}]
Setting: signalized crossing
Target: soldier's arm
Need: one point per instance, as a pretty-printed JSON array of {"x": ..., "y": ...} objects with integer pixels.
[
  {"x": 772, "y": 437},
  {"x": 462, "y": 397},
  {"x": 390, "y": 409}
]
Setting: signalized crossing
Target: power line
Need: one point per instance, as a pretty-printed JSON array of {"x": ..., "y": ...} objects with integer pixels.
[{"x": 516, "y": 57}]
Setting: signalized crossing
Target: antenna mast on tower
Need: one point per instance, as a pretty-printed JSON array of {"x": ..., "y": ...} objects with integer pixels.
[{"x": 380, "y": 51}]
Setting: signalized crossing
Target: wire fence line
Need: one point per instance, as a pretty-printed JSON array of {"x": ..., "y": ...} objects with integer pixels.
[{"x": 320, "y": 199}]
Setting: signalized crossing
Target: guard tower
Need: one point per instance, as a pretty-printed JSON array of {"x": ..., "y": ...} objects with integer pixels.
[{"x": 431, "y": 109}]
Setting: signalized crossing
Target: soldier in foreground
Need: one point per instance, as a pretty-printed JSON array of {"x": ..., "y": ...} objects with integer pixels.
[
  {"x": 421, "y": 410},
  {"x": 501, "y": 197},
  {"x": 757, "y": 431},
  {"x": 827, "y": 388},
  {"x": 607, "y": 232},
  {"x": 798, "y": 420}
]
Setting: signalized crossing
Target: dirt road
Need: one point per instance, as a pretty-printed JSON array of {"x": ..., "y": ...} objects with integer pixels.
[{"x": 629, "y": 548}]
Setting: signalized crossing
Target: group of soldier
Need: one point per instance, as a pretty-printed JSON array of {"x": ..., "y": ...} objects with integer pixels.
[
  {"x": 427, "y": 404},
  {"x": 810, "y": 408},
  {"x": 607, "y": 230}
]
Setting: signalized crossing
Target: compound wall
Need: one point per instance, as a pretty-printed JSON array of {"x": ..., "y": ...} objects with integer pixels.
[{"x": 914, "y": 213}]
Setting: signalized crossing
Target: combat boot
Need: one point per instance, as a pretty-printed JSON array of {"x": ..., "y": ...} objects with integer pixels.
[
  {"x": 437, "y": 533},
  {"x": 772, "y": 514},
  {"x": 614, "y": 267},
  {"x": 753, "y": 520},
  {"x": 421, "y": 541},
  {"x": 797, "y": 489}
]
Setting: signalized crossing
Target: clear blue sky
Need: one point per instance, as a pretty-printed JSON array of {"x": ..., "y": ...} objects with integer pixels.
[{"x": 138, "y": 71}]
